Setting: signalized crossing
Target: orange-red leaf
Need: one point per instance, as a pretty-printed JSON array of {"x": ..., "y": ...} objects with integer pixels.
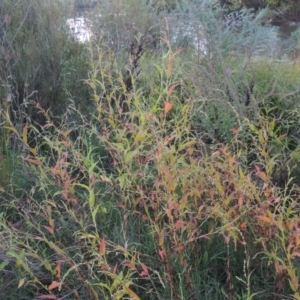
[
  {"x": 102, "y": 247},
  {"x": 240, "y": 202},
  {"x": 145, "y": 218},
  {"x": 51, "y": 222},
  {"x": 168, "y": 106},
  {"x": 104, "y": 267},
  {"x": 46, "y": 297},
  {"x": 34, "y": 161},
  {"x": 54, "y": 285},
  {"x": 50, "y": 229},
  {"x": 235, "y": 131},
  {"x": 131, "y": 293},
  {"x": 145, "y": 270},
  {"x": 296, "y": 254},
  {"x": 179, "y": 224},
  {"x": 243, "y": 225},
  {"x": 167, "y": 24},
  {"x": 265, "y": 219},
  {"x": 171, "y": 89},
  {"x": 121, "y": 206},
  {"x": 58, "y": 268},
  {"x": 162, "y": 253},
  {"x": 204, "y": 236},
  {"x": 170, "y": 64},
  {"x": 261, "y": 174},
  {"x": 115, "y": 269},
  {"x": 165, "y": 40},
  {"x": 190, "y": 240},
  {"x": 278, "y": 267}
]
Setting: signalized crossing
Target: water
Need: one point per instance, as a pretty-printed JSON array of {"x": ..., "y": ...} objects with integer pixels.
[{"x": 80, "y": 29}]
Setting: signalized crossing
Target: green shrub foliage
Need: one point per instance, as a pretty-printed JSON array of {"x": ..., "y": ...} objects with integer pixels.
[{"x": 159, "y": 160}]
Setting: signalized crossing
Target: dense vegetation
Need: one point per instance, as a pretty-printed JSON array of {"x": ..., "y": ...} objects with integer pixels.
[
  {"x": 287, "y": 6},
  {"x": 160, "y": 160}
]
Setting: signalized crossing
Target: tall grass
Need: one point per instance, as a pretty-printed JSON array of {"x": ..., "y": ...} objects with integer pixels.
[{"x": 164, "y": 185}]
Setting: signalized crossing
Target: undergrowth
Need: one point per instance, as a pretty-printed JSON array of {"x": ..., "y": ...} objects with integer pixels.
[{"x": 178, "y": 179}]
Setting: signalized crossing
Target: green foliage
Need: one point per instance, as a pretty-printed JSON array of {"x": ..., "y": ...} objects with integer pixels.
[
  {"x": 39, "y": 62},
  {"x": 173, "y": 177},
  {"x": 286, "y": 7},
  {"x": 164, "y": 6}
]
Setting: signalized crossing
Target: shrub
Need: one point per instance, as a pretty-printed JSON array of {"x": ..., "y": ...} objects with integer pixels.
[
  {"x": 39, "y": 62},
  {"x": 128, "y": 199}
]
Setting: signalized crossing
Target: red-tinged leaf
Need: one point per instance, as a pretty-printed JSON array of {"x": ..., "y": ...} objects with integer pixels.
[
  {"x": 281, "y": 137},
  {"x": 235, "y": 131},
  {"x": 240, "y": 202},
  {"x": 169, "y": 214},
  {"x": 279, "y": 269},
  {"x": 179, "y": 224},
  {"x": 66, "y": 144},
  {"x": 243, "y": 226},
  {"x": 165, "y": 40},
  {"x": 261, "y": 174},
  {"x": 190, "y": 150},
  {"x": 265, "y": 219},
  {"x": 34, "y": 161},
  {"x": 227, "y": 239},
  {"x": 171, "y": 89},
  {"x": 46, "y": 297},
  {"x": 145, "y": 218},
  {"x": 65, "y": 196},
  {"x": 162, "y": 253},
  {"x": 257, "y": 168},
  {"x": 102, "y": 247},
  {"x": 297, "y": 254},
  {"x": 167, "y": 24},
  {"x": 170, "y": 66},
  {"x": 115, "y": 269},
  {"x": 58, "y": 268},
  {"x": 131, "y": 293},
  {"x": 54, "y": 285},
  {"x": 205, "y": 236},
  {"x": 121, "y": 206},
  {"x": 51, "y": 222},
  {"x": 145, "y": 270},
  {"x": 172, "y": 204},
  {"x": 177, "y": 52},
  {"x": 168, "y": 106},
  {"x": 130, "y": 266},
  {"x": 50, "y": 229},
  {"x": 104, "y": 267},
  {"x": 190, "y": 240}
]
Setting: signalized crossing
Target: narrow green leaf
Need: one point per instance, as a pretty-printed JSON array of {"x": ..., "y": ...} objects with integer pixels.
[
  {"x": 92, "y": 198},
  {"x": 3, "y": 265}
]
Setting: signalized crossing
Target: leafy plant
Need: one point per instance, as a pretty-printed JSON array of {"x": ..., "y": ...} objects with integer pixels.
[{"x": 163, "y": 180}]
